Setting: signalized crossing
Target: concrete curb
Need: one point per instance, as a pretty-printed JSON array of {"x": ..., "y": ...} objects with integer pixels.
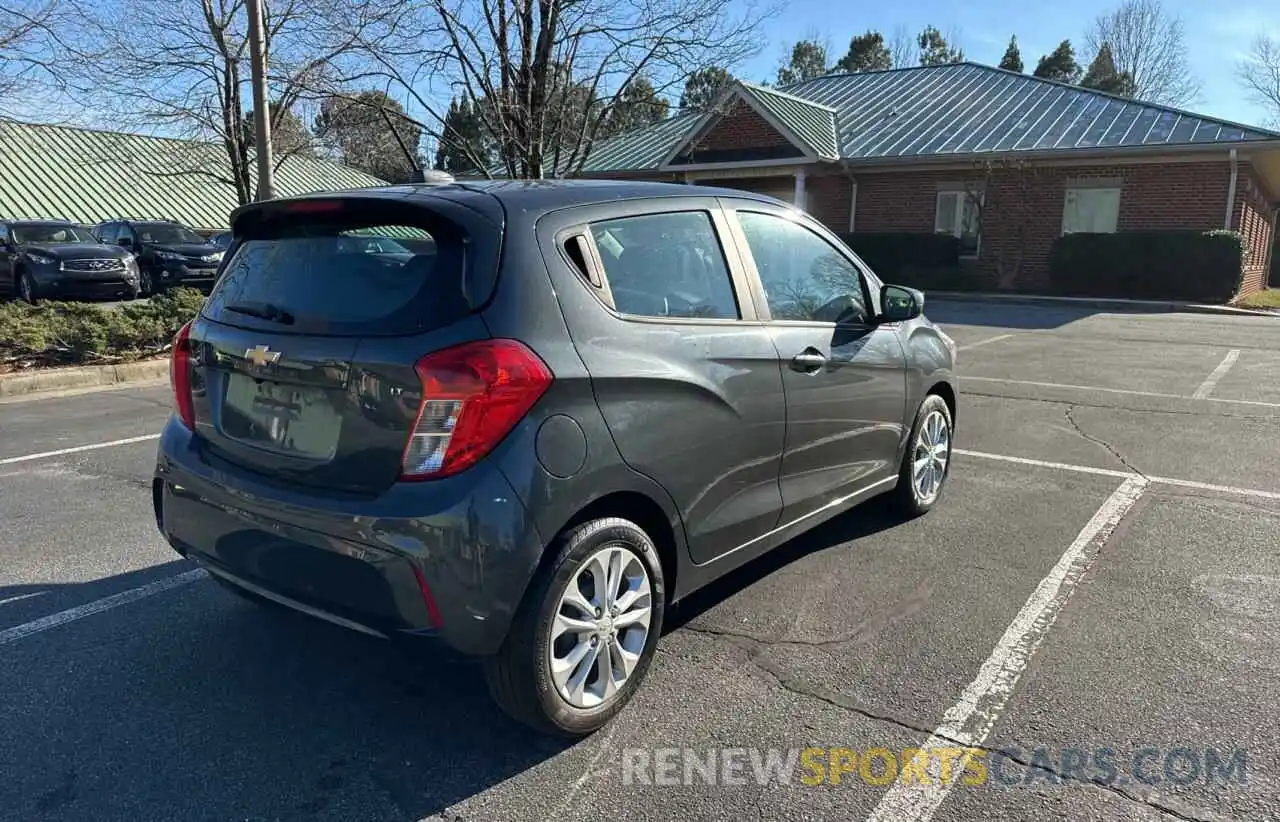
[
  {"x": 94, "y": 376},
  {"x": 1094, "y": 302}
]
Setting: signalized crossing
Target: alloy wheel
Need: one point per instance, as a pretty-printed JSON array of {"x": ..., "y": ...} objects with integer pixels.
[
  {"x": 600, "y": 626},
  {"x": 930, "y": 456},
  {"x": 24, "y": 288}
]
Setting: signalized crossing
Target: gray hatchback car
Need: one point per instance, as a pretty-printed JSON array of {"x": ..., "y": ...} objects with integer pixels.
[{"x": 526, "y": 418}]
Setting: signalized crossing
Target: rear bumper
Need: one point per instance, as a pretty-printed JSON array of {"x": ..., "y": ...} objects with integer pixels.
[{"x": 359, "y": 562}]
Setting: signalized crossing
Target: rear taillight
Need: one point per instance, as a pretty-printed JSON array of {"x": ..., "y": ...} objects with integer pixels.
[
  {"x": 472, "y": 396},
  {"x": 180, "y": 377}
]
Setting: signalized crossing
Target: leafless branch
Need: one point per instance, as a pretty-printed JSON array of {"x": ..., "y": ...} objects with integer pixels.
[
  {"x": 1149, "y": 45},
  {"x": 1260, "y": 74}
]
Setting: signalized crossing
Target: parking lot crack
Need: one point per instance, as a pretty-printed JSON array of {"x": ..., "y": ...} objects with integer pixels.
[
  {"x": 1111, "y": 449},
  {"x": 793, "y": 684}
]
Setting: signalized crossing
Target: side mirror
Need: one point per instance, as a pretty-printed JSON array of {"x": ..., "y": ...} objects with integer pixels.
[{"x": 899, "y": 304}]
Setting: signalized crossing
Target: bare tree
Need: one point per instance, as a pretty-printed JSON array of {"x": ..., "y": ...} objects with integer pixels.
[
  {"x": 31, "y": 50},
  {"x": 902, "y": 46},
  {"x": 1147, "y": 44},
  {"x": 544, "y": 77},
  {"x": 1260, "y": 74},
  {"x": 181, "y": 67}
]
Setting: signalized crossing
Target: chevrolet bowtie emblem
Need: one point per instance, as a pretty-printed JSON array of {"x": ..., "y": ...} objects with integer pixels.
[{"x": 261, "y": 355}]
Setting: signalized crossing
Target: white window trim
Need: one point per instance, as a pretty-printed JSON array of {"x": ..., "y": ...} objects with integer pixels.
[
  {"x": 1090, "y": 185},
  {"x": 964, "y": 192}
]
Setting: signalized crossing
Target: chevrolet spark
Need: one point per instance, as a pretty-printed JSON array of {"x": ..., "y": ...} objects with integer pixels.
[{"x": 527, "y": 418}]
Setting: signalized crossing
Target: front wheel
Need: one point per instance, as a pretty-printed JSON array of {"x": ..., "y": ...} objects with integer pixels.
[
  {"x": 585, "y": 633},
  {"x": 27, "y": 290},
  {"x": 927, "y": 461},
  {"x": 146, "y": 284}
]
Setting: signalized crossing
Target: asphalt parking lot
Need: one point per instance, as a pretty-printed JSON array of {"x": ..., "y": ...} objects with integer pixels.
[{"x": 1091, "y": 617}]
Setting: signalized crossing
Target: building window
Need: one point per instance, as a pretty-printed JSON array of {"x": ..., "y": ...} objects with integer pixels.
[
  {"x": 1090, "y": 211},
  {"x": 957, "y": 214}
]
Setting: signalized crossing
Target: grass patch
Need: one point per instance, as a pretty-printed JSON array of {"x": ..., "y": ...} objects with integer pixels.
[
  {"x": 1267, "y": 298},
  {"x": 68, "y": 333}
]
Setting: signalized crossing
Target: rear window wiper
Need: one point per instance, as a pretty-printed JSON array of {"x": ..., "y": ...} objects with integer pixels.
[{"x": 263, "y": 311}]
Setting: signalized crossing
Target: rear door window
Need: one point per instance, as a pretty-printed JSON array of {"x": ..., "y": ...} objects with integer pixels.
[
  {"x": 359, "y": 280},
  {"x": 666, "y": 265}
]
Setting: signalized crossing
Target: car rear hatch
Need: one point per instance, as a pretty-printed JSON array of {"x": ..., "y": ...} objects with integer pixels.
[{"x": 302, "y": 361}]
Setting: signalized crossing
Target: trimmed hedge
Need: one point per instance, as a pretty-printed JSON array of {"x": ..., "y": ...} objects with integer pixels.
[
  {"x": 1171, "y": 265},
  {"x": 68, "y": 333},
  {"x": 952, "y": 278},
  {"x": 891, "y": 253}
]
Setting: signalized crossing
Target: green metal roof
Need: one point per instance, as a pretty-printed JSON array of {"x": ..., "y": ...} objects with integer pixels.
[
  {"x": 813, "y": 123},
  {"x": 643, "y": 148},
  {"x": 88, "y": 176},
  {"x": 957, "y": 110}
]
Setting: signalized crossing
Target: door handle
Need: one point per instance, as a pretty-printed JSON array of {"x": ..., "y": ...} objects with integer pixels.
[{"x": 808, "y": 361}]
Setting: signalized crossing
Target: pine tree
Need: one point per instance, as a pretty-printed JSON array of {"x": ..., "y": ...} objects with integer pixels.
[
  {"x": 867, "y": 52},
  {"x": 808, "y": 60},
  {"x": 1060, "y": 65},
  {"x": 934, "y": 50},
  {"x": 462, "y": 139},
  {"x": 1012, "y": 60},
  {"x": 639, "y": 105},
  {"x": 703, "y": 87},
  {"x": 1102, "y": 74}
]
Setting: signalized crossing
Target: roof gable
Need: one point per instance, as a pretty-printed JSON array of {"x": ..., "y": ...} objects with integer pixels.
[{"x": 90, "y": 176}]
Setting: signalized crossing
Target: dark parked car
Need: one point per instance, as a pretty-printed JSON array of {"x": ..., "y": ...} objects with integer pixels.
[
  {"x": 581, "y": 403},
  {"x": 169, "y": 254},
  {"x": 54, "y": 258},
  {"x": 221, "y": 240}
]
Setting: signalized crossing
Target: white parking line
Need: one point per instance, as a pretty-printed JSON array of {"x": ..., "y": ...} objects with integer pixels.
[
  {"x": 969, "y": 378},
  {"x": 983, "y": 342},
  {"x": 26, "y": 629},
  {"x": 968, "y": 722},
  {"x": 1109, "y": 472},
  {"x": 1059, "y": 466},
  {"x": 78, "y": 449},
  {"x": 1202, "y": 393}
]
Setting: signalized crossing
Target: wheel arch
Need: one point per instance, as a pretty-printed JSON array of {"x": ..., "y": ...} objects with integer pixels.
[{"x": 645, "y": 512}]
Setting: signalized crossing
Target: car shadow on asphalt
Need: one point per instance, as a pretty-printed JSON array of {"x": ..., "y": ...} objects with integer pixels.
[
  {"x": 262, "y": 712},
  {"x": 867, "y": 519},
  {"x": 257, "y": 711}
]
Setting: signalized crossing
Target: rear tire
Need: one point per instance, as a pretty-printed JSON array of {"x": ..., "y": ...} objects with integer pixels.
[
  {"x": 533, "y": 677},
  {"x": 930, "y": 446}
]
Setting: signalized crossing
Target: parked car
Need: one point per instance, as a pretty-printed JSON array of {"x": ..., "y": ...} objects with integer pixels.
[
  {"x": 221, "y": 240},
  {"x": 55, "y": 258},
  {"x": 169, "y": 253},
  {"x": 585, "y": 402}
]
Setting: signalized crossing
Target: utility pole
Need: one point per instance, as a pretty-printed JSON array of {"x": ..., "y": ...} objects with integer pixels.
[{"x": 261, "y": 105}]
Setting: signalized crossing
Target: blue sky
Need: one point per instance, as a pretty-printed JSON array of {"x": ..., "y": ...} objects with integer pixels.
[{"x": 1217, "y": 35}]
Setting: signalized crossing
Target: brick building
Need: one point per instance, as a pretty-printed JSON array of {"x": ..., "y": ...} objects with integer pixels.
[{"x": 1005, "y": 162}]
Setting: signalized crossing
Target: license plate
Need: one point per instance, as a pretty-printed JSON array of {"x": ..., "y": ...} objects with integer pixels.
[{"x": 288, "y": 419}]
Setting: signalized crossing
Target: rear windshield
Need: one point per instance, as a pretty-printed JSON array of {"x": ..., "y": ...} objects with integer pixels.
[{"x": 362, "y": 280}]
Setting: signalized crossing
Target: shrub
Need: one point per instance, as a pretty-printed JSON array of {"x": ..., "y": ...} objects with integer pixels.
[
  {"x": 1173, "y": 265},
  {"x": 944, "y": 278},
  {"x": 62, "y": 333},
  {"x": 890, "y": 253}
]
